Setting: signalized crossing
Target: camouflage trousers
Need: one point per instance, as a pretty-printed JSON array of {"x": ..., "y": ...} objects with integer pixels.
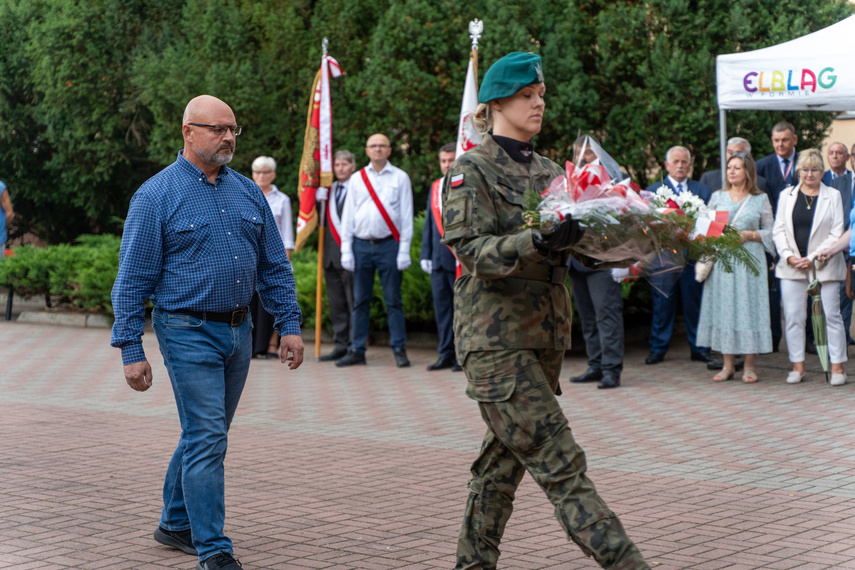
[{"x": 527, "y": 431}]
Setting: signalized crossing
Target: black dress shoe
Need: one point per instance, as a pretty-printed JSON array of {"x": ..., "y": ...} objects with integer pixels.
[
  {"x": 701, "y": 357},
  {"x": 441, "y": 364},
  {"x": 609, "y": 381},
  {"x": 180, "y": 539},
  {"x": 456, "y": 367},
  {"x": 850, "y": 342},
  {"x": 334, "y": 355},
  {"x": 351, "y": 358},
  {"x": 590, "y": 375},
  {"x": 221, "y": 561},
  {"x": 654, "y": 358},
  {"x": 401, "y": 358}
]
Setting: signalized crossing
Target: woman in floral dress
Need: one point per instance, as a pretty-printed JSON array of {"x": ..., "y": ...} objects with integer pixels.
[{"x": 735, "y": 307}]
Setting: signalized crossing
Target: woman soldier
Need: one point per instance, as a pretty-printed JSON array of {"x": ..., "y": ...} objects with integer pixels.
[{"x": 512, "y": 321}]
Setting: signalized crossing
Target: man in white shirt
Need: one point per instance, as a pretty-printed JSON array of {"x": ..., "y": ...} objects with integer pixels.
[{"x": 377, "y": 229}]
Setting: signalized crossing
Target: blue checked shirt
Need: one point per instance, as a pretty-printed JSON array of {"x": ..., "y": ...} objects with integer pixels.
[{"x": 189, "y": 244}]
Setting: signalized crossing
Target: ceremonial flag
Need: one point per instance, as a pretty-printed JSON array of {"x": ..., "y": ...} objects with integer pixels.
[
  {"x": 316, "y": 165},
  {"x": 466, "y": 136}
]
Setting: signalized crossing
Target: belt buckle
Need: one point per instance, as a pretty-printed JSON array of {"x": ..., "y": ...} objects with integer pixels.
[{"x": 241, "y": 314}]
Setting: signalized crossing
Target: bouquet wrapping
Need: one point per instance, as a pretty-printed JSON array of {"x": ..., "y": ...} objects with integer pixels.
[{"x": 629, "y": 228}]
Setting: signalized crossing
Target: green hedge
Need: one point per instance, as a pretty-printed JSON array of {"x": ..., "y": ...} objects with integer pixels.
[
  {"x": 83, "y": 275},
  {"x": 80, "y": 274}
]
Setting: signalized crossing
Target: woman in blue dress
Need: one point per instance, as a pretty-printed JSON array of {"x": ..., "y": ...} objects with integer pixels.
[{"x": 735, "y": 306}]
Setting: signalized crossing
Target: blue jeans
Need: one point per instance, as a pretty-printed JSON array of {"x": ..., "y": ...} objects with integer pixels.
[
  {"x": 207, "y": 363},
  {"x": 381, "y": 257}
]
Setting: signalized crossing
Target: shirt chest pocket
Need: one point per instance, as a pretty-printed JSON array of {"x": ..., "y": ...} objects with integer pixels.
[
  {"x": 190, "y": 238},
  {"x": 510, "y": 205},
  {"x": 252, "y": 223}
]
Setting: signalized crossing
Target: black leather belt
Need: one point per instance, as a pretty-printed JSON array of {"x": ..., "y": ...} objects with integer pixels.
[
  {"x": 555, "y": 274},
  {"x": 376, "y": 241},
  {"x": 233, "y": 318},
  {"x": 548, "y": 273}
]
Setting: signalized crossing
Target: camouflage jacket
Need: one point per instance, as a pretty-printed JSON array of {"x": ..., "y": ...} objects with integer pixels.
[{"x": 483, "y": 202}]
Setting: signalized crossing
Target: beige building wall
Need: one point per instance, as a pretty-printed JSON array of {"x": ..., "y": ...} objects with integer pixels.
[{"x": 842, "y": 130}]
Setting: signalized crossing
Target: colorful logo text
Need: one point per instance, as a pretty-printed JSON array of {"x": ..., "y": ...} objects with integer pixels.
[{"x": 774, "y": 82}]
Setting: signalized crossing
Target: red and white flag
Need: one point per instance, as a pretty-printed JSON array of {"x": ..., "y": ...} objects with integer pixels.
[
  {"x": 316, "y": 166},
  {"x": 466, "y": 136}
]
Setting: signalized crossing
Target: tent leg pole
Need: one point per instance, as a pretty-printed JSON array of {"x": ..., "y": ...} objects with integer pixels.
[{"x": 722, "y": 140}]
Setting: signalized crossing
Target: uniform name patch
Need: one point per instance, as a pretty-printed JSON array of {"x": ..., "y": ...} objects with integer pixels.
[{"x": 457, "y": 181}]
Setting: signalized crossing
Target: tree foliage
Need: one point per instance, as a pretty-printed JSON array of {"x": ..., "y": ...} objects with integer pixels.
[{"x": 92, "y": 91}]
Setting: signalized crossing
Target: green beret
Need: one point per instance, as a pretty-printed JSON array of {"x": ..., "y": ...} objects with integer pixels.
[{"x": 509, "y": 75}]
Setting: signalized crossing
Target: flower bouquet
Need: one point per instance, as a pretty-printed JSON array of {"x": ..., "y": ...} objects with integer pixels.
[{"x": 629, "y": 227}]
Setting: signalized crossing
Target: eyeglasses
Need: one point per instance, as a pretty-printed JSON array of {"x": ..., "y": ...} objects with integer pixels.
[
  {"x": 375, "y": 146},
  {"x": 220, "y": 130}
]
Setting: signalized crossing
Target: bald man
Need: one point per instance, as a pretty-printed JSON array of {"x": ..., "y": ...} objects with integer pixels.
[
  {"x": 198, "y": 240},
  {"x": 377, "y": 229}
]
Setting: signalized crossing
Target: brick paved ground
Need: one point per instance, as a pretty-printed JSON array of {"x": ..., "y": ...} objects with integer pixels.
[{"x": 367, "y": 467}]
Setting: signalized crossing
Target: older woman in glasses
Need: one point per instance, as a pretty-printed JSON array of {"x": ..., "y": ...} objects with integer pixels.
[
  {"x": 809, "y": 221},
  {"x": 265, "y": 338}
]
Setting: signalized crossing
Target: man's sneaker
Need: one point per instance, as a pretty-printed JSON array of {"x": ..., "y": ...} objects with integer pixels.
[
  {"x": 221, "y": 561},
  {"x": 180, "y": 539}
]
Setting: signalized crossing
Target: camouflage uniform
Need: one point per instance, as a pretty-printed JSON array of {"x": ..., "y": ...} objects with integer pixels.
[{"x": 512, "y": 322}]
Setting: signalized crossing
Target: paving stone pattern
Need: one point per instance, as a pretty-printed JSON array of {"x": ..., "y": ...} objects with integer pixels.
[{"x": 367, "y": 467}]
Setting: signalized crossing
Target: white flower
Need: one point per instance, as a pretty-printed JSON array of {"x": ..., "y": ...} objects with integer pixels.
[
  {"x": 663, "y": 194},
  {"x": 691, "y": 204}
]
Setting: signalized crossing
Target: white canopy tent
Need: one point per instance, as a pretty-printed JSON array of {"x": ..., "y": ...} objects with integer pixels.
[{"x": 815, "y": 72}]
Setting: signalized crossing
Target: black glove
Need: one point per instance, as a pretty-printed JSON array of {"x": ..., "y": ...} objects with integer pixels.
[{"x": 565, "y": 236}]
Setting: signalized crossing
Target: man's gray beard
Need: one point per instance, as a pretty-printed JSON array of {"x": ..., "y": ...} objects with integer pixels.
[{"x": 217, "y": 158}]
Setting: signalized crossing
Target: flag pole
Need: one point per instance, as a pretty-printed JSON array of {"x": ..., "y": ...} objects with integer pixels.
[{"x": 318, "y": 288}]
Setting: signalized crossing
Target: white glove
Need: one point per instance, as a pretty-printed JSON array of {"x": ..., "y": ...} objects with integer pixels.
[
  {"x": 427, "y": 265},
  {"x": 322, "y": 194},
  {"x": 347, "y": 261},
  {"x": 619, "y": 274},
  {"x": 403, "y": 260}
]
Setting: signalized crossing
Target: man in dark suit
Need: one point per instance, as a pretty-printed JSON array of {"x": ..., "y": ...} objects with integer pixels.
[
  {"x": 339, "y": 281},
  {"x": 712, "y": 179},
  {"x": 437, "y": 260},
  {"x": 838, "y": 156},
  {"x": 779, "y": 169},
  {"x": 678, "y": 163},
  {"x": 844, "y": 183}
]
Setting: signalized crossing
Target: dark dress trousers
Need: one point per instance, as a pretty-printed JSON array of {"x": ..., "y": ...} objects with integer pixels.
[
  {"x": 339, "y": 281},
  {"x": 685, "y": 289},
  {"x": 770, "y": 168},
  {"x": 844, "y": 185},
  {"x": 441, "y": 282},
  {"x": 600, "y": 308}
]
